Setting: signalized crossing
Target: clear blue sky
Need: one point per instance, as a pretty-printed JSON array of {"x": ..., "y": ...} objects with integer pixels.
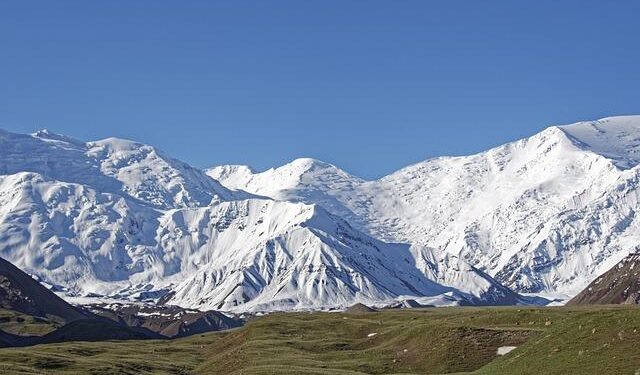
[{"x": 368, "y": 85}]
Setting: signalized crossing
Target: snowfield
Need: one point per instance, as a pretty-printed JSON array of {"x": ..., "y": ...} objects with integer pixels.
[{"x": 543, "y": 215}]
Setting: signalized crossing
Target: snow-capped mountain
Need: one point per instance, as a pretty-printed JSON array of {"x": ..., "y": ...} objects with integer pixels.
[
  {"x": 121, "y": 219},
  {"x": 130, "y": 169},
  {"x": 545, "y": 214},
  {"x": 265, "y": 254}
]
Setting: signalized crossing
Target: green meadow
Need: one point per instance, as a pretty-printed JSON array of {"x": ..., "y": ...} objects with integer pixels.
[{"x": 462, "y": 340}]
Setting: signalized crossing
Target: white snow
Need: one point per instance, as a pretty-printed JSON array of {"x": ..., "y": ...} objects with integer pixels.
[
  {"x": 616, "y": 138},
  {"x": 504, "y": 350}
]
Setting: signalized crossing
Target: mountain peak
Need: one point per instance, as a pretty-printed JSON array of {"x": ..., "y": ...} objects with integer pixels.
[
  {"x": 120, "y": 144},
  {"x": 47, "y": 135},
  {"x": 309, "y": 163},
  {"x": 616, "y": 138},
  {"x": 42, "y": 133},
  {"x": 302, "y": 166}
]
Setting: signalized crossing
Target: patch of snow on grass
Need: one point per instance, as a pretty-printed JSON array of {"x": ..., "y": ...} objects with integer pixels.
[{"x": 504, "y": 350}]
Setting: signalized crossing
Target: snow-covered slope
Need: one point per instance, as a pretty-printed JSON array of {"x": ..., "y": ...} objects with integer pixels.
[
  {"x": 616, "y": 138},
  {"x": 544, "y": 214},
  {"x": 112, "y": 166},
  {"x": 305, "y": 180},
  {"x": 119, "y": 218},
  {"x": 234, "y": 256},
  {"x": 280, "y": 255},
  {"x": 287, "y": 255}
]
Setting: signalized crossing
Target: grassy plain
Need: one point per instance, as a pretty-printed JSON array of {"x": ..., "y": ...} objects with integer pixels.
[{"x": 558, "y": 340}]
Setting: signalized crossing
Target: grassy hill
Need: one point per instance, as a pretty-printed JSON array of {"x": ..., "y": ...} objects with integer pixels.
[
  {"x": 17, "y": 323},
  {"x": 564, "y": 340}
]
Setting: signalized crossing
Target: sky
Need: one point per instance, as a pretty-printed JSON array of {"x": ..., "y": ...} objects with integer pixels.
[{"x": 370, "y": 86}]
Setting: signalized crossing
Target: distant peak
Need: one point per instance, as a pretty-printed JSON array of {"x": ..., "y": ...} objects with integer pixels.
[
  {"x": 230, "y": 168},
  {"x": 308, "y": 161},
  {"x": 42, "y": 133},
  {"x": 118, "y": 144},
  {"x": 616, "y": 138},
  {"x": 619, "y": 119},
  {"x": 607, "y": 123},
  {"x": 224, "y": 172},
  {"x": 47, "y": 134},
  {"x": 308, "y": 164}
]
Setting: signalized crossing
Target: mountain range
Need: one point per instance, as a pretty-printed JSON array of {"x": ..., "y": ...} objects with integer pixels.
[
  {"x": 114, "y": 218},
  {"x": 543, "y": 214}
]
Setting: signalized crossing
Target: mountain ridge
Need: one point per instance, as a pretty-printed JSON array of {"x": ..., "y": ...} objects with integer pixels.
[
  {"x": 561, "y": 171},
  {"x": 119, "y": 219},
  {"x": 103, "y": 218}
]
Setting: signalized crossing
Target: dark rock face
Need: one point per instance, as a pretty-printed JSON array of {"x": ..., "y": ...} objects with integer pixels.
[
  {"x": 619, "y": 285},
  {"x": 633, "y": 299},
  {"x": 20, "y": 292},
  {"x": 168, "y": 321}
]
